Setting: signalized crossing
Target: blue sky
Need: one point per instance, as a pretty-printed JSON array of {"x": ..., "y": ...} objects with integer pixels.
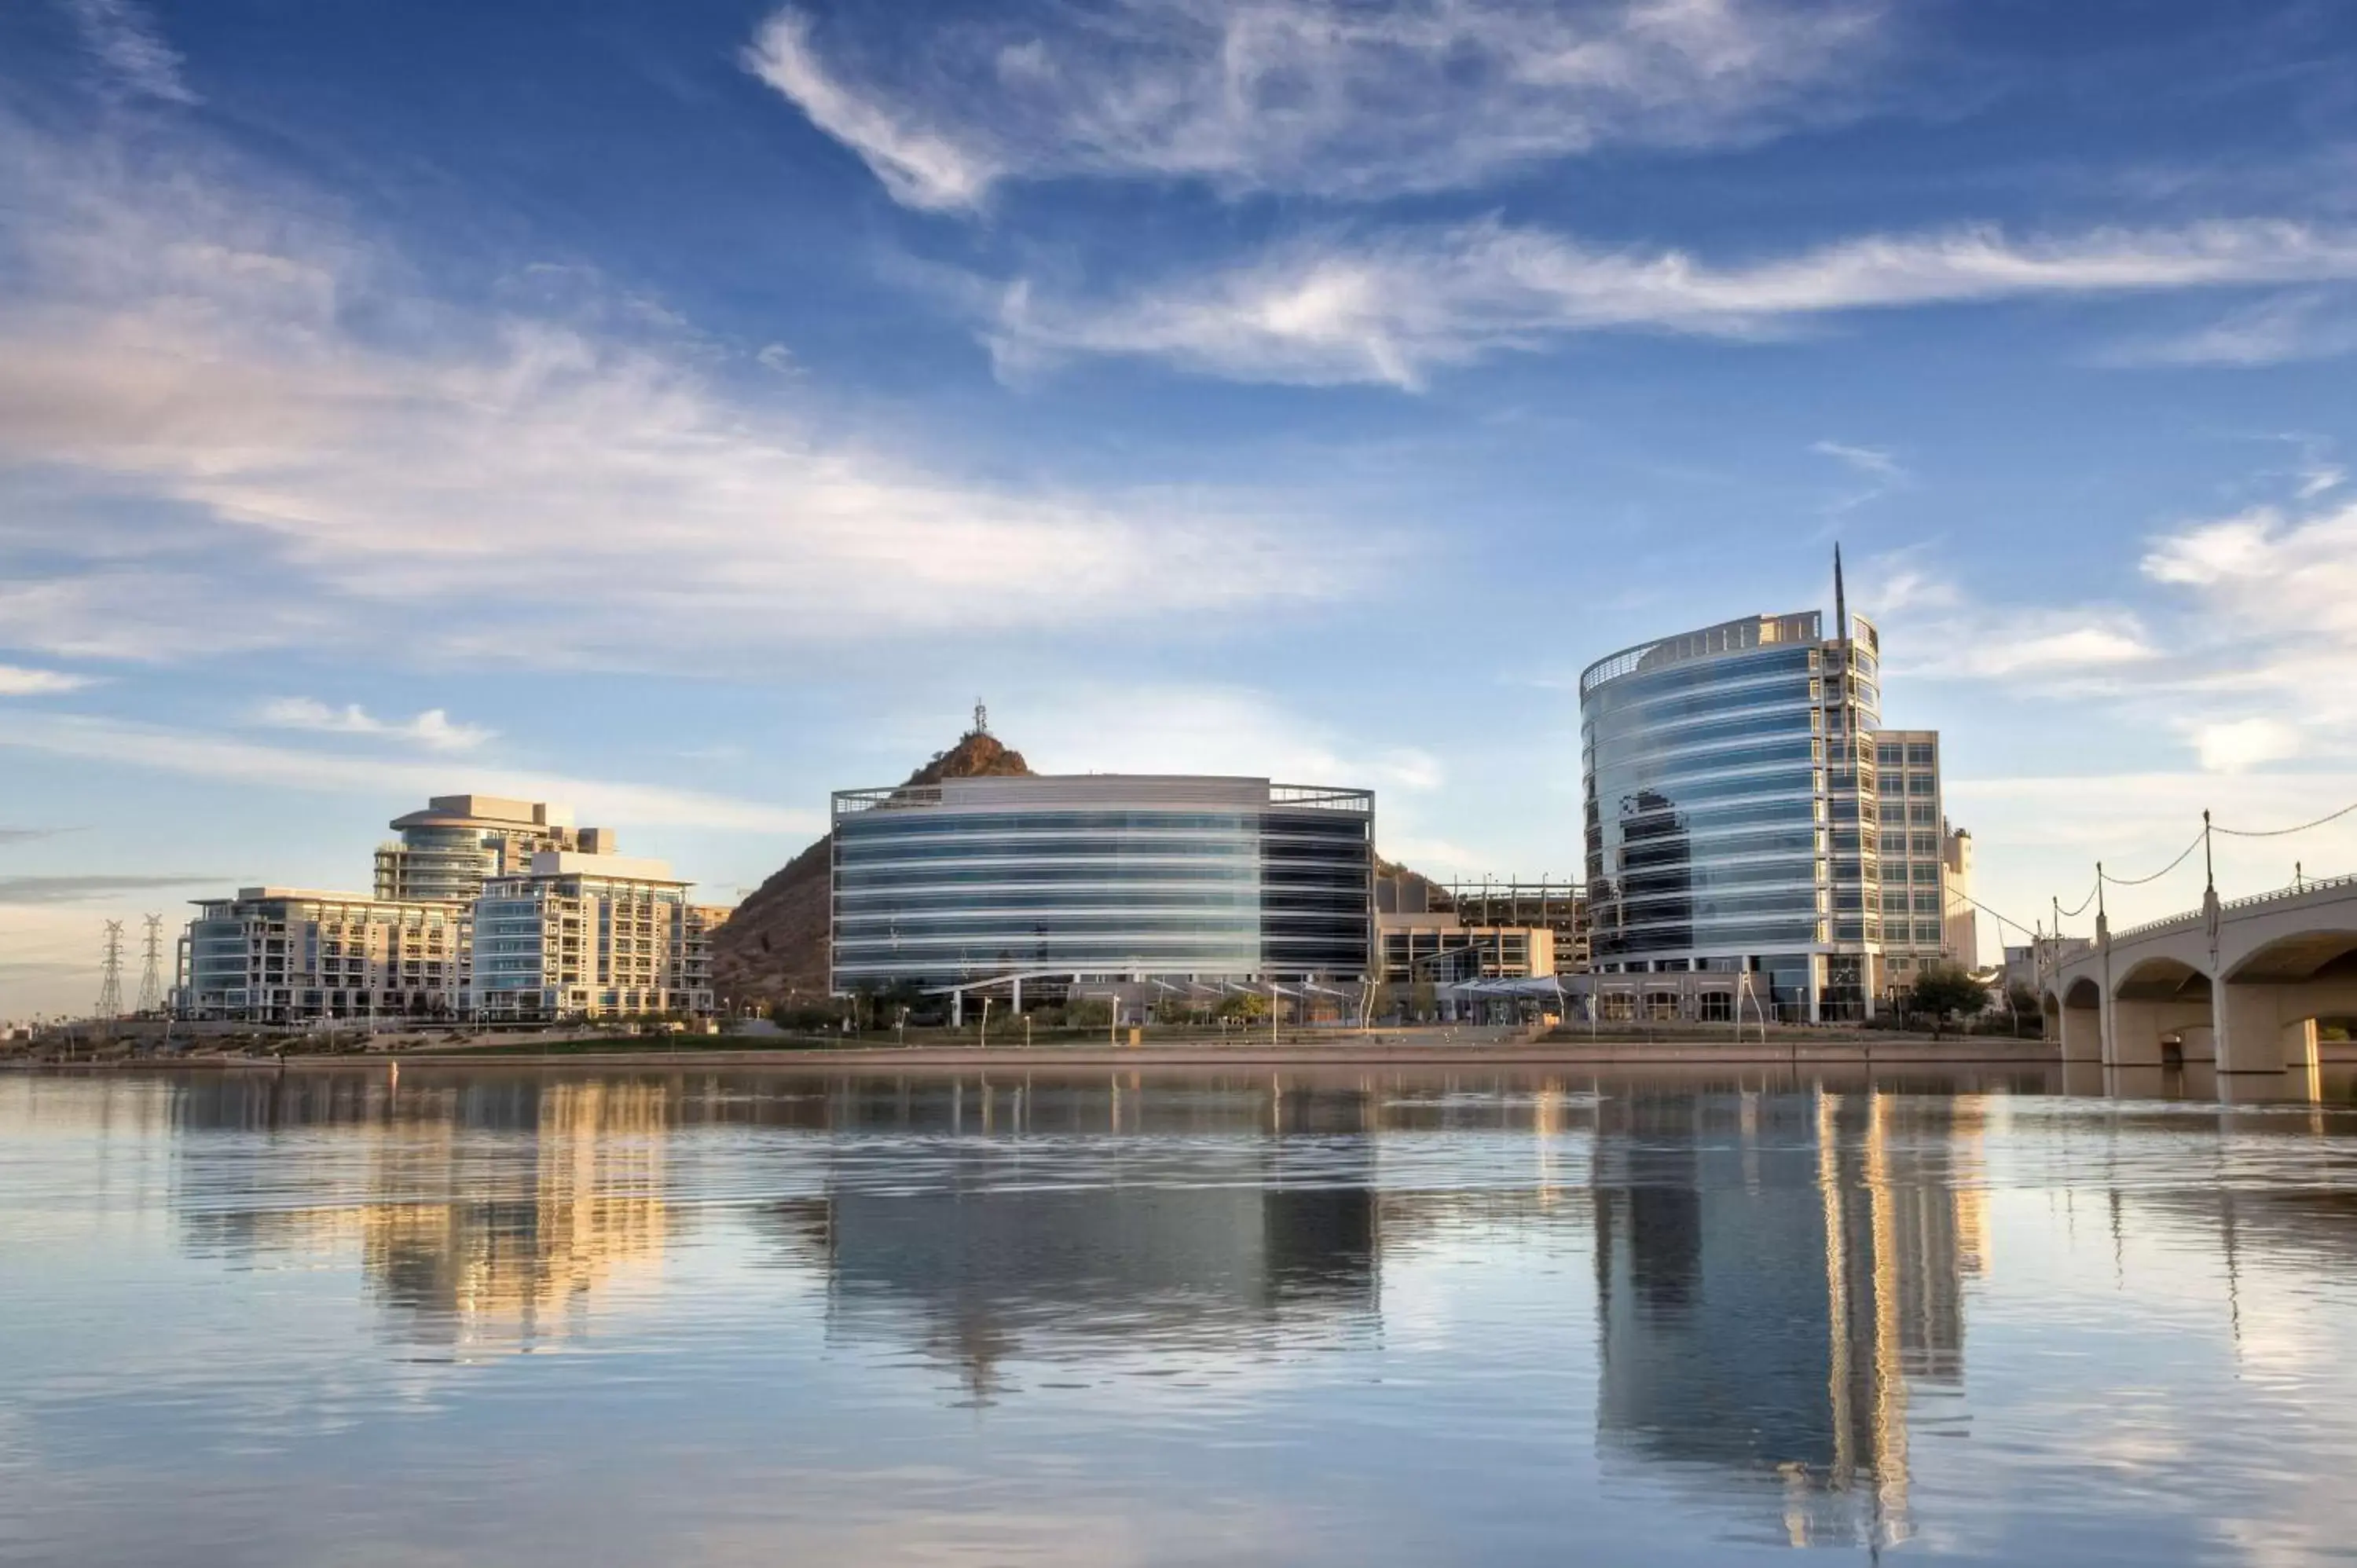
[{"x": 684, "y": 410}]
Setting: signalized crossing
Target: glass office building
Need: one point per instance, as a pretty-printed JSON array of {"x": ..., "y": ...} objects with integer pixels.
[
  {"x": 1101, "y": 876},
  {"x": 1729, "y": 803}
]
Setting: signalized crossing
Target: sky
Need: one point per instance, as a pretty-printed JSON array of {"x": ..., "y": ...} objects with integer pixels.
[{"x": 682, "y": 411}]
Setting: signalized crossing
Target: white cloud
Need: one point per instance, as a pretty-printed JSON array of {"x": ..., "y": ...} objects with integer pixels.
[
  {"x": 431, "y": 728},
  {"x": 921, "y": 169},
  {"x": 2272, "y": 331},
  {"x": 1871, "y": 461},
  {"x": 2068, "y": 640},
  {"x": 197, "y": 753},
  {"x": 16, "y": 680},
  {"x": 1207, "y": 729},
  {"x": 134, "y": 55},
  {"x": 542, "y": 488},
  {"x": 2236, "y": 745},
  {"x": 1343, "y": 98},
  {"x": 1391, "y": 308}
]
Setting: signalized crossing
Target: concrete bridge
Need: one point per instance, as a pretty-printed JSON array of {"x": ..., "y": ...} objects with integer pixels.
[{"x": 2239, "y": 983}]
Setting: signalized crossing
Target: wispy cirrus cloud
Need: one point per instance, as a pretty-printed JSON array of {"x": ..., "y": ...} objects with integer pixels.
[
  {"x": 19, "y": 681},
  {"x": 2240, "y": 646},
  {"x": 71, "y": 889},
  {"x": 1871, "y": 461},
  {"x": 1337, "y": 98},
  {"x": 328, "y": 447},
  {"x": 2280, "y": 329},
  {"x": 1391, "y": 308},
  {"x": 126, "y": 45},
  {"x": 432, "y": 729},
  {"x": 202, "y": 755}
]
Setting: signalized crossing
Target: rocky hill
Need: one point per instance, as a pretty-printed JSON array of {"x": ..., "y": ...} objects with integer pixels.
[{"x": 773, "y": 949}]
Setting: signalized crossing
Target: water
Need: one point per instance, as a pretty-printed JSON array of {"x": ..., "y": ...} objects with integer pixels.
[{"x": 489, "y": 1316}]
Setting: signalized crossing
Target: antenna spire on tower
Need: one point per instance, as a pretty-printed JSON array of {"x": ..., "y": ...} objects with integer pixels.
[
  {"x": 981, "y": 719},
  {"x": 1841, "y": 598}
]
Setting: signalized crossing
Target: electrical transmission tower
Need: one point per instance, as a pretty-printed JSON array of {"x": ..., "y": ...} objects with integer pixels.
[
  {"x": 151, "y": 978},
  {"x": 110, "y": 984}
]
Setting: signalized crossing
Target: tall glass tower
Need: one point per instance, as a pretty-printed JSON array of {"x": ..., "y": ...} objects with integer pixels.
[{"x": 1731, "y": 809}]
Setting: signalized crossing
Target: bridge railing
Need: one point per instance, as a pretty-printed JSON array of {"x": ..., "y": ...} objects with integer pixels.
[{"x": 2301, "y": 888}]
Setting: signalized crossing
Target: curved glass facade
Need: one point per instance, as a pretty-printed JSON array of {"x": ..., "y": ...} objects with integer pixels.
[
  {"x": 1101, "y": 875},
  {"x": 1725, "y": 823}
]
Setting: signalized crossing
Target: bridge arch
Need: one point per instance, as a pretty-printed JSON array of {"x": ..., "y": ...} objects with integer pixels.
[{"x": 2298, "y": 959}]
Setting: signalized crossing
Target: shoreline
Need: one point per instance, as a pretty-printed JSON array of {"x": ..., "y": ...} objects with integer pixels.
[{"x": 1963, "y": 1053}]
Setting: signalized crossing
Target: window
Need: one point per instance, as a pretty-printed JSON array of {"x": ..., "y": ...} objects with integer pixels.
[
  {"x": 1922, "y": 784},
  {"x": 1890, "y": 756},
  {"x": 1919, "y": 753}
]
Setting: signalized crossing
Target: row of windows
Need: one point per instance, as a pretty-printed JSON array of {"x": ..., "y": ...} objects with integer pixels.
[
  {"x": 1797, "y": 782},
  {"x": 1705, "y": 820},
  {"x": 887, "y": 824},
  {"x": 1909, "y": 754},
  {"x": 1654, "y": 938},
  {"x": 1790, "y": 871},
  {"x": 1654, "y": 907},
  {"x": 1707, "y": 733},
  {"x": 1718, "y": 672},
  {"x": 1626, "y": 776},
  {"x": 988, "y": 850},
  {"x": 1678, "y": 852}
]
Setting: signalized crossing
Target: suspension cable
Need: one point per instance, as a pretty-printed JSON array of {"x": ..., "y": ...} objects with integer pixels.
[
  {"x": 2280, "y": 833},
  {"x": 2140, "y": 881}
]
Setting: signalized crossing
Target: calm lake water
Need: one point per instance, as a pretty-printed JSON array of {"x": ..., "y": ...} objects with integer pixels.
[{"x": 1321, "y": 1318}]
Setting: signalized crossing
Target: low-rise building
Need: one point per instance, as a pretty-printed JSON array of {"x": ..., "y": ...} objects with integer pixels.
[
  {"x": 588, "y": 936},
  {"x": 288, "y": 955}
]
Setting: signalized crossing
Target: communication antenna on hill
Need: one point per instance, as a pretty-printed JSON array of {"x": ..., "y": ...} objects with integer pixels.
[
  {"x": 981, "y": 719},
  {"x": 151, "y": 977},
  {"x": 110, "y": 983}
]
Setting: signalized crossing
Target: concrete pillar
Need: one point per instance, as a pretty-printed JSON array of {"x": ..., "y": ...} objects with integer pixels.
[
  {"x": 2249, "y": 1027},
  {"x": 2083, "y": 1077},
  {"x": 2083, "y": 1035},
  {"x": 2299, "y": 1038},
  {"x": 2132, "y": 1033}
]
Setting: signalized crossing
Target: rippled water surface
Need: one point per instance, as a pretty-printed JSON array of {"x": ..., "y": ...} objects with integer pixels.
[{"x": 489, "y": 1316}]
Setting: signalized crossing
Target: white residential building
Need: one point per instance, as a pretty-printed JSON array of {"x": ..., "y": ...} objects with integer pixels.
[
  {"x": 288, "y": 955},
  {"x": 591, "y": 935}
]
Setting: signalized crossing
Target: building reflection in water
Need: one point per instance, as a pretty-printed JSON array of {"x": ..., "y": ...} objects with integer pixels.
[
  {"x": 1777, "y": 1275},
  {"x": 486, "y": 1214},
  {"x": 1241, "y": 1246}
]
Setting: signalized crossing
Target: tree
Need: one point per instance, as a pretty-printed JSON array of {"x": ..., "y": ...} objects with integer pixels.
[
  {"x": 1243, "y": 1004},
  {"x": 1944, "y": 988}
]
